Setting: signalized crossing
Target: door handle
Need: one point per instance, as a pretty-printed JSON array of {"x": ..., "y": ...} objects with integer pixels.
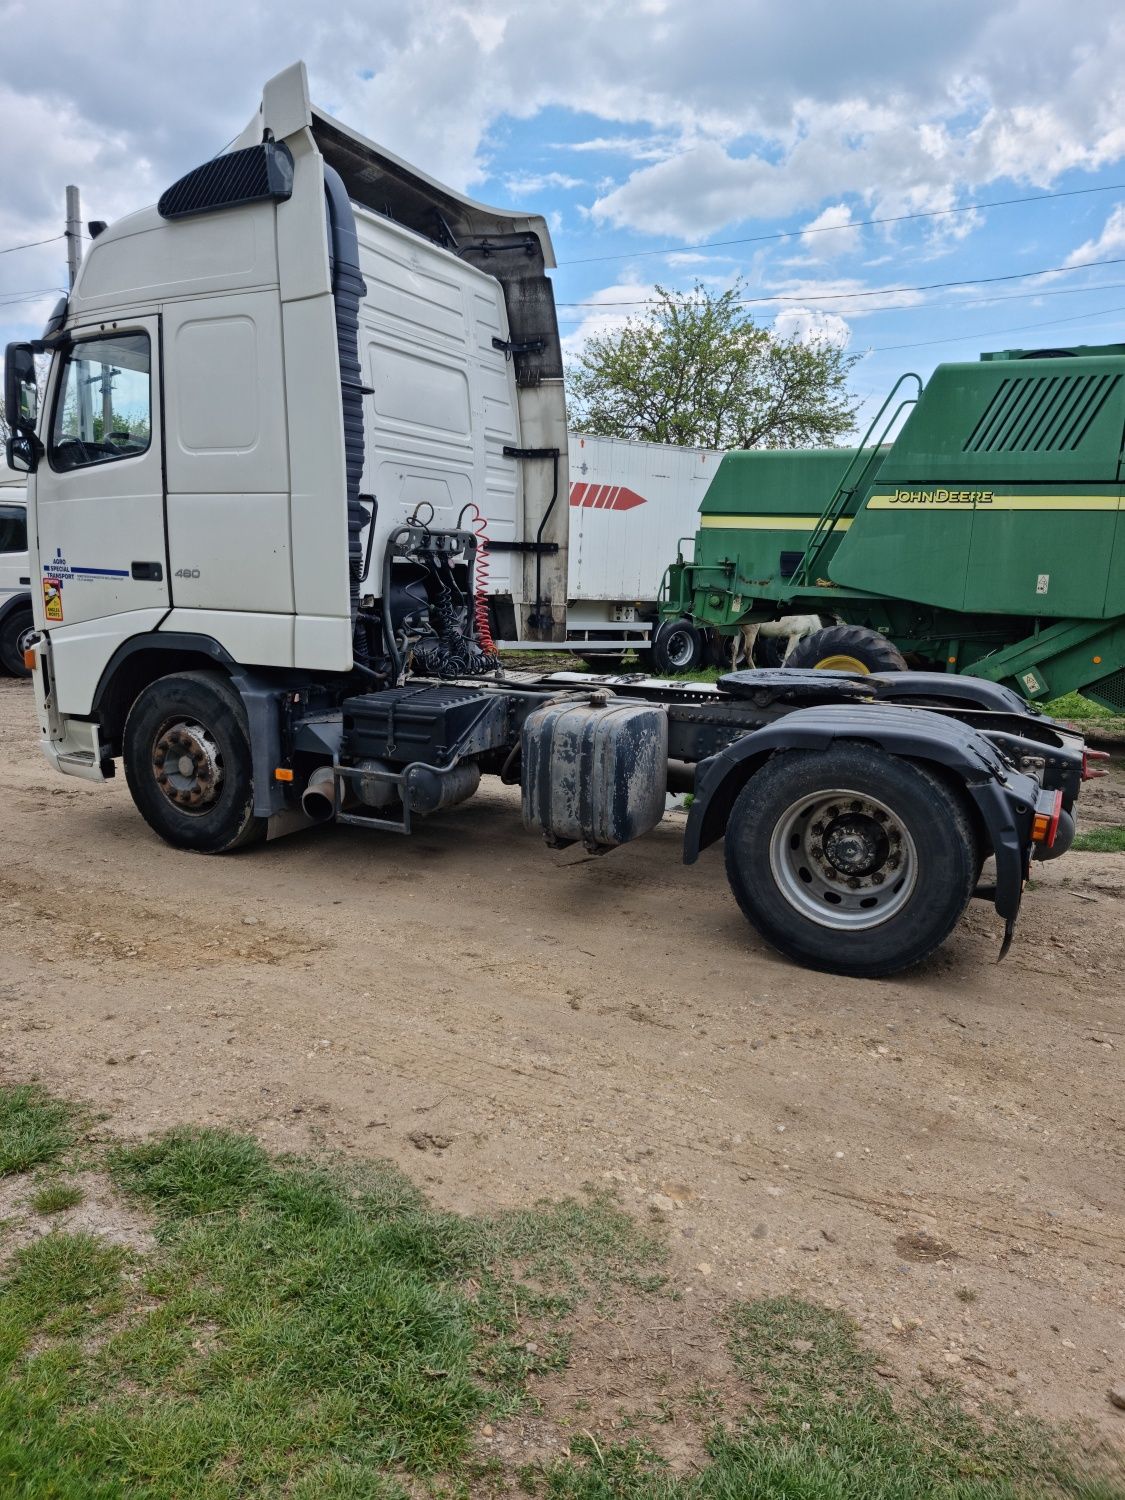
[{"x": 148, "y": 572}]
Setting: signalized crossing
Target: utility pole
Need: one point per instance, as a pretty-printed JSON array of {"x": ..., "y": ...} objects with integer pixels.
[{"x": 73, "y": 232}]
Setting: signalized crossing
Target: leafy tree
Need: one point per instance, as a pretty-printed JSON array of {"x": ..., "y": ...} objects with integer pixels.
[{"x": 697, "y": 371}]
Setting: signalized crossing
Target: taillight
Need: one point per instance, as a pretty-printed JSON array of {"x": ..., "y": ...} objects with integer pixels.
[{"x": 1045, "y": 824}]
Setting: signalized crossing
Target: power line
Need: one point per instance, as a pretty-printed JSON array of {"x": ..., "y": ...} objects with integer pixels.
[
  {"x": 31, "y": 244},
  {"x": 989, "y": 333},
  {"x": 885, "y": 291},
  {"x": 792, "y": 234},
  {"x": 33, "y": 296},
  {"x": 921, "y": 307}
]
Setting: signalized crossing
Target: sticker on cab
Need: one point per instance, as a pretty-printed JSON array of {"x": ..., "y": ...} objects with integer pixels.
[{"x": 52, "y": 599}]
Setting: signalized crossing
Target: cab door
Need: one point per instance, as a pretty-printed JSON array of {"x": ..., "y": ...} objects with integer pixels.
[{"x": 102, "y": 549}]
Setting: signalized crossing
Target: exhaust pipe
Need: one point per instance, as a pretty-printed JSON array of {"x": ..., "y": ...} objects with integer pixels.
[{"x": 319, "y": 797}]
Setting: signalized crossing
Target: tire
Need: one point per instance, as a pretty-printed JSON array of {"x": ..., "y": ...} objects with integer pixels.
[
  {"x": 910, "y": 829},
  {"x": 717, "y": 650},
  {"x": 202, "y": 713},
  {"x": 677, "y": 646},
  {"x": 16, "y": 627},
  {"x": 847, "y": 648}
]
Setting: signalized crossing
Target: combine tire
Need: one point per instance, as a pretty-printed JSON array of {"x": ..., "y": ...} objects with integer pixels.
[
  {"x": 851, "y": 860},
  {"x": 187, "y": 761},
  {"x": 677, "y": 646},
  {"x": 847, "y": 648},
  {"x": 15, "y": 632}
]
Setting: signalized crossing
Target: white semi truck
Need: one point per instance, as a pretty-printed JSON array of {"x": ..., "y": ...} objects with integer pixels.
[
  {"x": 16, "y": 625},
  {"x": 281, "y": 407}
]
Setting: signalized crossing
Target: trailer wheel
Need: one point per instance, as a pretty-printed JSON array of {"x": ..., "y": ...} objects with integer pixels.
[
  {"x": 851, "y": 860},
  {"x": 677, "y": 646},
  {"x": 15, "y": 634},
  {"x": 847, "y": 648},
  {"x": 187, "y": 761}
]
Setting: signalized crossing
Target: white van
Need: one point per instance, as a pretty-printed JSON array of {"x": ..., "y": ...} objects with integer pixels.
[{"x": 15, "y": 577}]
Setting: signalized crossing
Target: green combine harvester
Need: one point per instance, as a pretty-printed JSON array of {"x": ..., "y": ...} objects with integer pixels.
[{"x": 988, "y": 537}]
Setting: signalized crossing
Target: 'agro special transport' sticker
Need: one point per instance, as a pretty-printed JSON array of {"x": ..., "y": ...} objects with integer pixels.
[{"x": 52, "y": 599}]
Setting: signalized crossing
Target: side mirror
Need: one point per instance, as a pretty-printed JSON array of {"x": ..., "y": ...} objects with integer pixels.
[
  {"x": 22, "y": 453},
  {"x": 21, "y": 391}
]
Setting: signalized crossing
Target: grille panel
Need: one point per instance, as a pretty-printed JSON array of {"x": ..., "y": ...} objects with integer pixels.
[
  {"x": 1111, "y": 691},
  {"x": 1040, "y": 413},
  {"x": 253, "y": 175}
]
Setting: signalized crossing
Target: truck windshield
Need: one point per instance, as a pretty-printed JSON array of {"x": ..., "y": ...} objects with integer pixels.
[{"x": 104, "y": 407}]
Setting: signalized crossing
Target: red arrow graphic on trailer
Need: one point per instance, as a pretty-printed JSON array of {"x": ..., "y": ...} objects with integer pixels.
[{"x": 604, "y": 496}]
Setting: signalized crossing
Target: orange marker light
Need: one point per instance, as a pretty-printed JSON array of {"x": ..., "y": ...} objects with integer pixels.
[
  {"x": 283, "y": 773},
  {"x": 1096, "y": 660},
  {"x": 1045, "y": 824},
  {"x": 29, "y": 658}
]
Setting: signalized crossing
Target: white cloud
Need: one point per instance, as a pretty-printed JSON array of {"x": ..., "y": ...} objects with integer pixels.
[
  {"x": 725, "y": 112},
  {"x": 812, "y": 326},
  {"x": 1109, "y": 243},
  {"x": 843, "y": 295},
  {"x": 605, "y": 311},
  {"x": 637, "y": 147},
  {"x": 831, "y": 234},
  {"x": 528, "y": 184}
]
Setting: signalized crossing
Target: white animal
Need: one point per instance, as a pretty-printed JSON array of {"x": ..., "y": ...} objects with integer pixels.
[{"x": 790, "y": 628}]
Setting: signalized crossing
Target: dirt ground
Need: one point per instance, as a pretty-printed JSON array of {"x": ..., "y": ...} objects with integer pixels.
[{"x": 940, "y": 1154}]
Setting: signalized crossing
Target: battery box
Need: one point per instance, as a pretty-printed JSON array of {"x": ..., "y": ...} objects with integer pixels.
[{"x": 430, "y": 723}]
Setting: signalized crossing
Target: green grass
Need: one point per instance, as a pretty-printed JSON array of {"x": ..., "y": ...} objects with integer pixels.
[
  {"x": 34, "y": 1128},
  {"x": 299, "y": 1330},
  {"x": 56, "y": 1198},
  {"x": 309, "y": 1331},
  {"x": 1100, "y": 841},
  {"x": 1074, "y": 706},
  {"x": 821, "y": 1425}
]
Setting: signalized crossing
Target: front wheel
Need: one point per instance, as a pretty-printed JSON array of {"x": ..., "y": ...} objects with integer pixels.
[
  {"x": 851, "y": 860},
  {"x": 677, "y": 646},
  {"x": 15, "y": 634},
  {"x": 187, "y": 761}
]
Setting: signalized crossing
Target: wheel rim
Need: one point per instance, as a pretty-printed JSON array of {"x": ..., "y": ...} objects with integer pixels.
[
  {"x": 843, "y": 859},
  {"x": 188, "y": 766},
  {"x": 23, "y": 640},
  {"x": 842, "y": 663},
  {"x": 679, "y": 647}
]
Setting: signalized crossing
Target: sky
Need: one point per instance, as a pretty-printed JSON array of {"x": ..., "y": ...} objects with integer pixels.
[{"x": 666, "y": 143}]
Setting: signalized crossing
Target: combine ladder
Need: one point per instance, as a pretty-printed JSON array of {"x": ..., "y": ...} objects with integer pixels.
[{"x": 856, "y": 475}]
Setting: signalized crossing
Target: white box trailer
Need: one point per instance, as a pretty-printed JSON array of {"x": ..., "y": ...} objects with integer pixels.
[
  {"x": 16, "y": 627},
  {"x": 280, "y": 408},
  {"x": 631, "y": 505}
]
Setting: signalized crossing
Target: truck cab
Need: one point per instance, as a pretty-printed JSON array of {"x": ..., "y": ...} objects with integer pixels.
[{"x": 16, "y": 624}]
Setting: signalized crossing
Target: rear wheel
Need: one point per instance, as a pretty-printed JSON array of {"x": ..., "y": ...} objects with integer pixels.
[
  {"x": 188, "y": 764},
  {"x": 15, "y": 635},
  {"x": 677, "y": 646},
  {"x": 851, "y": 860},
  {"x": 847, "y": 648}
]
